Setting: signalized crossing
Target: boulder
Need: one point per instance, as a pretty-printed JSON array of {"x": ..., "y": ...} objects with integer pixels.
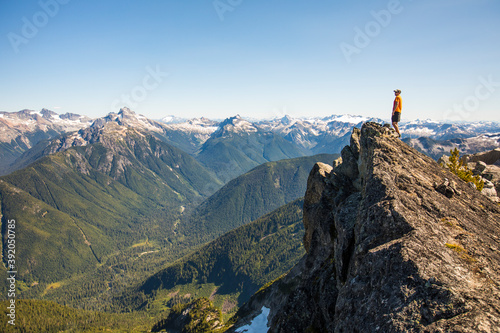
[{"x": 479, "y": 168}]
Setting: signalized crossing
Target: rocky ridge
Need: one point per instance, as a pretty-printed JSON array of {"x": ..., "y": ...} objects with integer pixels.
[
  {"x": 25, "y": 134},
  {"x": 21, "y": 131},
  {"x": 124, "y": 127},
  {"x": 386, "y": 250},
  {"x": 18, "y": 125}
]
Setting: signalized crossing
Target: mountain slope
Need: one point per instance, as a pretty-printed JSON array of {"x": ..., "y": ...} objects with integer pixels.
[
  {"x": 21, "y": 131},
  {"x": 309, "y": 135},
  {"x": 105, "y": 195},
  {"x": 244, "y": 199},
  {"x": 316, "y": 135},
  {"x": 50, "y": 244},
  {"x": 190, "y": 135},
  {"x": 43, "y": 316},
  {"x": 236, "y": 264},
  {"x": 238, "y": 146},
  {"x": 250, "y": 196},
  {"x": 241, "y": 201},
  {"x": 387, "y": 250}
]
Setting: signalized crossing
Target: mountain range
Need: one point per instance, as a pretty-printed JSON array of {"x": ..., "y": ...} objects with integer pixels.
[
  {"x": 116, "y": 191},
  {"x": 25, "y": 135},
  {"x": 21, "y": 131},
  {"x": 125, "y": 213},
  {"x": 118, "y": 185}
]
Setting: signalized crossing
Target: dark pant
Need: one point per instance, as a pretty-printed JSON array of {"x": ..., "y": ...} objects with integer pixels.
[{"x": 396, "y": 117}]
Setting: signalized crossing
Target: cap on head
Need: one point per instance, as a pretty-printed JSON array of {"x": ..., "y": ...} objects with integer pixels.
[{"x": 397, "y": 91}]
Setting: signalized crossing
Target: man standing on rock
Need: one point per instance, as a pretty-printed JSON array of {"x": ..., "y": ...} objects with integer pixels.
[{"x": 396, "y": 111}]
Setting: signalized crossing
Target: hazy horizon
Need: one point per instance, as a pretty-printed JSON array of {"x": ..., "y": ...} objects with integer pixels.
[{"x": 177, "y": 118}]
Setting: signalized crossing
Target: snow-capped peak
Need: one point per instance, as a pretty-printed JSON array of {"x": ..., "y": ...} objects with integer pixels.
[
  {"x": 128, "y": 118},
  {"x": 347, "y": 118},
  {"x": 202, "y": 128},
  {"x": 235, "y": 124},
  {"x": 287, "y": 120},
  {"x": 173, "y": 120}
]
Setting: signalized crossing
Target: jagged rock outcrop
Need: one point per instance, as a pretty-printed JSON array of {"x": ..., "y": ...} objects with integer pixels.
[
  {"x": 488, "y": 157},
  {"x": 387, "y": 251}
]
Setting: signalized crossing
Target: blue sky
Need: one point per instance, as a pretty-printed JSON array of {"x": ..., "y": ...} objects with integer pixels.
[{"x": 259, "y": 58}]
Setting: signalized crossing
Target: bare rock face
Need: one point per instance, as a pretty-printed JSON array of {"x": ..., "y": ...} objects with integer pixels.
[
  {"x": 387, "y": 251},
  {"x": 315, "y": 206},
  {"x": 488, "y": 157}
]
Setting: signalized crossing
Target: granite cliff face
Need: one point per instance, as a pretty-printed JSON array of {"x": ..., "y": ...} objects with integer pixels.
[{"x": 387, "y": 250}]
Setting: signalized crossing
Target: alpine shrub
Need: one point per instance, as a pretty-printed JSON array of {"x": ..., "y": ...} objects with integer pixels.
[{"x": 461, "y": 169}]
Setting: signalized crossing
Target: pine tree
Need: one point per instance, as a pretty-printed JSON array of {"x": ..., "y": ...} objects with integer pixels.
[{"x": 458, "y": 167}]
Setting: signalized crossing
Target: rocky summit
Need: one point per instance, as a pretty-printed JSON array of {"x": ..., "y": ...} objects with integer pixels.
[{"x": 387, "y": 249}]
